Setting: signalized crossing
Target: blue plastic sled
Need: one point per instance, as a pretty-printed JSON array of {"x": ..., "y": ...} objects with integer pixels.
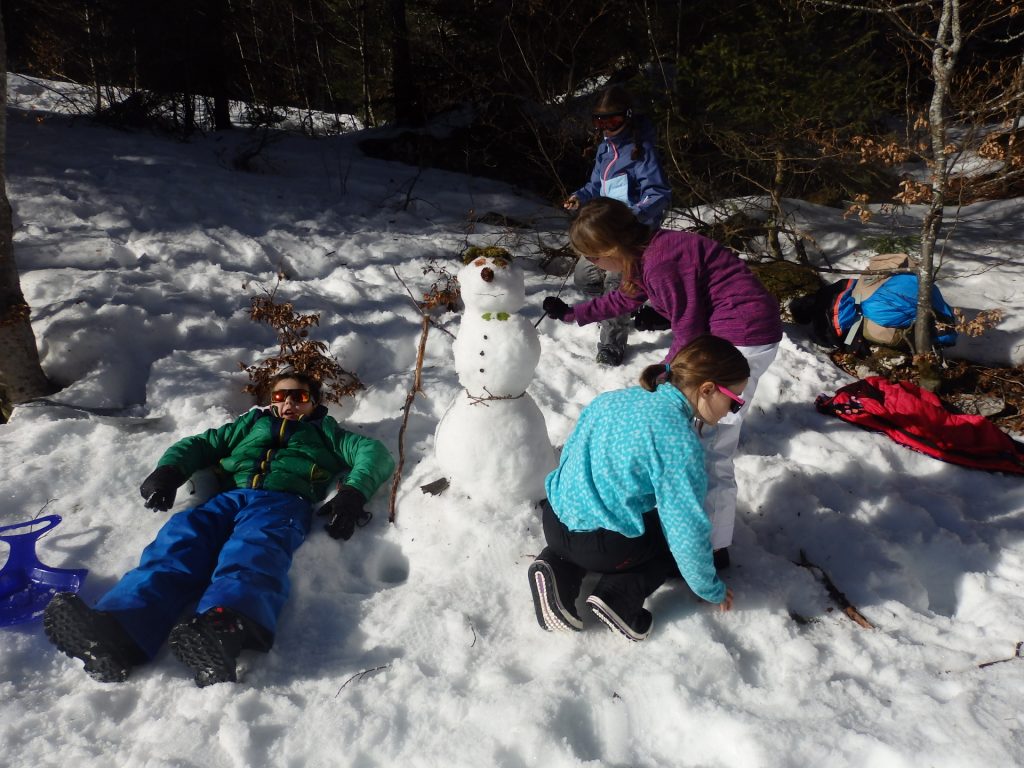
[{"x": 26, "y": 585}]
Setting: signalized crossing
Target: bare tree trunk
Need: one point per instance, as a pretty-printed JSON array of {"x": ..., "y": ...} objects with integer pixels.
[
  {"x": 403, "y": 82},
  {"x": 946, "y": 46},
  {"x": 369, "y": 119},
  {"x": 218, "y": 12},
  {"x": 91, "y": 54},
  {"x": 21, "y": 377},
  {"x": 778, "y": 216}
]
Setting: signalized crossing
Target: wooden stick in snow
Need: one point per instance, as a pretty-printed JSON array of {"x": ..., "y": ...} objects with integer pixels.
[
  {"x": 410, "y": 398},
  {"x": 848, "y": 608}
]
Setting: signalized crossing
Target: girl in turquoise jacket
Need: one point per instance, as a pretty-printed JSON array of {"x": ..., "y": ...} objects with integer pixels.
[
  {"x": 627, "y": 498},
  {"x": 231, "y": 554}
]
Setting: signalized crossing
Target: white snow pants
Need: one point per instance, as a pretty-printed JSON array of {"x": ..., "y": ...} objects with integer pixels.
[{"x": 719, "y": 446}]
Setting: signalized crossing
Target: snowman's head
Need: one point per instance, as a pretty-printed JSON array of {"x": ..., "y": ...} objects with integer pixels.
[{"x": 491, "y": 284}]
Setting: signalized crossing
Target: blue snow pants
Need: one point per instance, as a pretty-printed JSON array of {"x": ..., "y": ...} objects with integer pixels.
[{"x": 234, "y": 550}]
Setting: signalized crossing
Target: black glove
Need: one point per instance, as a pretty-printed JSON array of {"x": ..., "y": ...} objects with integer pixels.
[
  {"x": 345, "y": 512},
  {"x": 555, "y": 307},
  {"x": 158, "y": 489},
  {"x": 646, "y": 319}
]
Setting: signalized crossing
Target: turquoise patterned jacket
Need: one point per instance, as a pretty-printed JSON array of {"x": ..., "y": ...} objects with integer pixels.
[{"x": 633, "y": 451}]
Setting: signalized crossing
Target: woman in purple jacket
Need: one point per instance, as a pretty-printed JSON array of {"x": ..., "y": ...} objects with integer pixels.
[{"x": 701, "y": 287}]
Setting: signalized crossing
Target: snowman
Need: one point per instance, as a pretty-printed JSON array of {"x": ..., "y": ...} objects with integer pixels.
[{"x": 492, "y": 442}]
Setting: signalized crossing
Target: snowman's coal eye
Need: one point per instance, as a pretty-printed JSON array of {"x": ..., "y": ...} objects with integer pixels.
[
  {"x": 500, "y": 263},
  {"x": 479, "y": 263},
  {"x": 487, "y": 274}
]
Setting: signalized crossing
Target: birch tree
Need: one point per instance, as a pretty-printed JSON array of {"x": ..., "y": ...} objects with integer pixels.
[
  {"x": 21, "y": 376},
  {"x": 936, "y": 32}
]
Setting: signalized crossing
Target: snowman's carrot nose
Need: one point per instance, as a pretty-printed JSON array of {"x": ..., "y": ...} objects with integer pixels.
[{"x": 487, "y": 274}]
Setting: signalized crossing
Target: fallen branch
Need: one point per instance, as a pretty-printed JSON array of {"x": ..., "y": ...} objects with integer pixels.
[
  {"x": 1016, "y": 655},
  {"x": 360, "y": 676},
  {"x": 840, "y": 599}
]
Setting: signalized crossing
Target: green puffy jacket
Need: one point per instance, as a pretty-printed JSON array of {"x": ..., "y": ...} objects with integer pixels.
[{"x": 262, "y": 450}]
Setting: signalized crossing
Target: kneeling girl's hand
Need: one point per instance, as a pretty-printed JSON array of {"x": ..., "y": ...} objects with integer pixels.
[{"x": 726, "y": 605}]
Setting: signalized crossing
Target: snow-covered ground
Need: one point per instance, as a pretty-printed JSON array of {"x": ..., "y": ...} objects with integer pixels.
[{"x": 415, "y": 643}]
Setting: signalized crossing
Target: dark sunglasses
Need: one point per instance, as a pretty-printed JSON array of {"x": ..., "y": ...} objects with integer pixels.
[
  {"x": 737, "y": 401},
  {"x": 610, "y": 121},
  {"x": 298, "y": 395}
]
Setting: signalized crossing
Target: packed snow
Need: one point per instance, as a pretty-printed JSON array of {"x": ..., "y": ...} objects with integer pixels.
[{"x": 415, "y": 643}]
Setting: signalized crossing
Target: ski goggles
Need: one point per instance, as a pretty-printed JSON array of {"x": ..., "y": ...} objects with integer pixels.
[
  {"x": 737, "y": 401},
  {"x": 298, "y": 395},
  {"x": 609, "y": 121}
]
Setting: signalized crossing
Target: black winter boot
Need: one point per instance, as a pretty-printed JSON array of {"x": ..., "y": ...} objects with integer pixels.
[
  {"x": 610, "y": 356},
  {"x": 209, "y": 644},
  {"x": 617, "y": 600},
  {"x": 93, "y": 636},
  {"x": 555, "y": 584}
]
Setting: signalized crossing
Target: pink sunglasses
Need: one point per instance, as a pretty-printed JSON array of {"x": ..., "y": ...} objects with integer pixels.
[{"x": 737, "y": 401}]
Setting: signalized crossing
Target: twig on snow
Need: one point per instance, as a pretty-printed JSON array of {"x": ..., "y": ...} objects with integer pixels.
[
  {"x": 841, "y": 600},
  {"x": 1016, "y": 655},
  {"x": 360, "y": 676}
]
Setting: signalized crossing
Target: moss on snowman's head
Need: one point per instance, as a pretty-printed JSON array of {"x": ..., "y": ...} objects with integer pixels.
[
  {"x": 492, "y": 284},
  {"x": 475, "y": 252}
]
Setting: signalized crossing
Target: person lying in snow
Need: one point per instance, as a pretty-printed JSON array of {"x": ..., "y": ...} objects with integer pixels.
[
  {"x": 626, "y": 500},
  {"x": 231, "y": 553},
  {"x": 701, "y": 287}
]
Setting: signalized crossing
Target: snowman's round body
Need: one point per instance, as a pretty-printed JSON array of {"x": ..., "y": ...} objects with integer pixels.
[
  {"x": 495, "y": 357},
  {"x": 492, "y": 442}
]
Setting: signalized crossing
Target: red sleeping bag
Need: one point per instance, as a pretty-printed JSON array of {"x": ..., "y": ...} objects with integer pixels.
[{"x": 916, "y": 418}]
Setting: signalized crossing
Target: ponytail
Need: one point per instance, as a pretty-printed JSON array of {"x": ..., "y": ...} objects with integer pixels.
[
  {"x": 652, "y": 375},
  {"x": 706, "y": 358}
]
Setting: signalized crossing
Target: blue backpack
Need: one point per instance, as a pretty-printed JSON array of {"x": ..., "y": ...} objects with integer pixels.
[{"x": 881, "y": 309}]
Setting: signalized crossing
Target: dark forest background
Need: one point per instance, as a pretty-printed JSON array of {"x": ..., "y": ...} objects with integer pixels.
[
  {"x": 771, "y": 97},
  {"x": 820, "y": 100}
]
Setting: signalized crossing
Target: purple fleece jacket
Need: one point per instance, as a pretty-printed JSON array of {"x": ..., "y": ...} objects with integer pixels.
[{"x": 701, "y": 287}]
